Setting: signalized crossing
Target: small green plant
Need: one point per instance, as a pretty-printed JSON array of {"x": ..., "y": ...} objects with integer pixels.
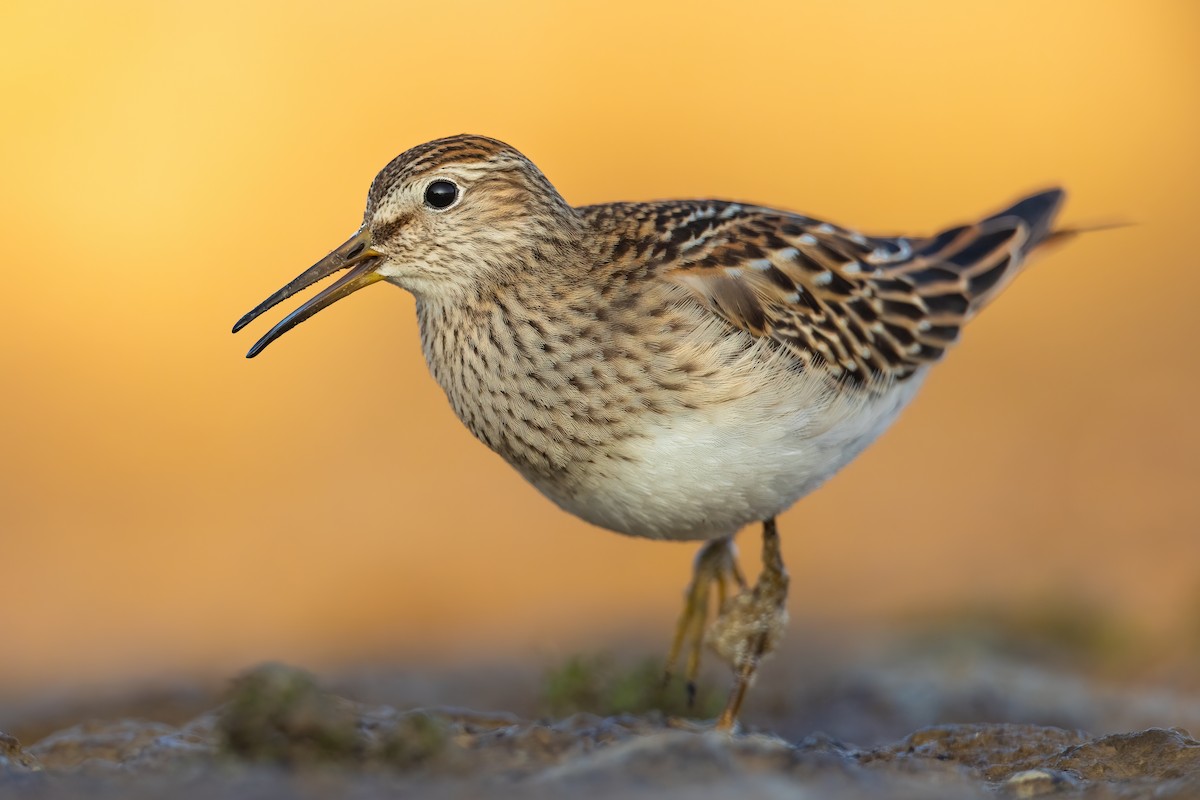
[
  {"x": 417, "y": 740},
  {"x": 599, "y": 684},
  {"x": 279, "y": 714}
]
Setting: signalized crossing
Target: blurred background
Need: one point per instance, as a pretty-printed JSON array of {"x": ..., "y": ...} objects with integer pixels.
[{"x": 167, "y": 505}]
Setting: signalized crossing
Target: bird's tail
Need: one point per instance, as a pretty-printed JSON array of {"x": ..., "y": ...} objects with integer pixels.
[
  {"x": 1036, "y": 214},
  {"x": 964, "y": 267}
]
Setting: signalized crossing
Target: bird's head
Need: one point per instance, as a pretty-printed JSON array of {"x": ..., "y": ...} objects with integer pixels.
[{"x": 442, "y": 219}]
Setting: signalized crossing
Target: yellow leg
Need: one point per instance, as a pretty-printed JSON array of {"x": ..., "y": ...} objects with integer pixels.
[{"x": 716, "y": 563}]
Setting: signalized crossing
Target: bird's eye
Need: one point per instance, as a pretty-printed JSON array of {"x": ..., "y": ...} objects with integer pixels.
[{"x": 440, "y": 194}]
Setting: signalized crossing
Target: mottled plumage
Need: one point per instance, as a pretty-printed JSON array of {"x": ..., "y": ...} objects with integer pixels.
[{"x": 675, "y": 369}]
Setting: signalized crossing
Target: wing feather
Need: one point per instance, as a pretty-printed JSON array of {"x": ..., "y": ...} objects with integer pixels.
[{"x": 867, "y": 309}]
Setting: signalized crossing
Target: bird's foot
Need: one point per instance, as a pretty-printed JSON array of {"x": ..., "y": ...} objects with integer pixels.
[
  {"x": 750, "y": 624},
  {"x": 716, "y": 564}
]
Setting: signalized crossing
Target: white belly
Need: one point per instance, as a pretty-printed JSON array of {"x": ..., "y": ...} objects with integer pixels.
[{"x": 709, "y": 473}]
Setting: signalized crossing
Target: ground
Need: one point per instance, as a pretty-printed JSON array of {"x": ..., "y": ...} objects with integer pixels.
[{"x": 915, "y": 717}]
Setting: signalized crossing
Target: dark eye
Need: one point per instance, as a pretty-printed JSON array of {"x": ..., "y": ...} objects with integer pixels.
[{"x": 440, "y": 194}]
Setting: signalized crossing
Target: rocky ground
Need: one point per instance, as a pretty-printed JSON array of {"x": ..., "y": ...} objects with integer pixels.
[{"x": 902, "y": 721}]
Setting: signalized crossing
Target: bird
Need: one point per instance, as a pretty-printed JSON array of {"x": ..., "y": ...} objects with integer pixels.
[{"x": 677, "y": 369}]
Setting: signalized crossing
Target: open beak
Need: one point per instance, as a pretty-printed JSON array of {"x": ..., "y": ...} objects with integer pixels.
[{"x": 355, "y": 255}]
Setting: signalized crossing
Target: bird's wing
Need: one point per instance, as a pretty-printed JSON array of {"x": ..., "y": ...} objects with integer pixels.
[{"x": 866, "y": 309}]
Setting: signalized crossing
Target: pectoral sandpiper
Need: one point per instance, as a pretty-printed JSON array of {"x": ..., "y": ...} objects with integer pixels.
[{"x": 675, "y": 369}]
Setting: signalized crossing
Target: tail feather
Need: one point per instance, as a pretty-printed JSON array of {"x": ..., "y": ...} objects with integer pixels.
[
  {"x": 989, "y": 254},
  {"x": 1036, "y": 212},
  {"x": 974, "y": 263}
]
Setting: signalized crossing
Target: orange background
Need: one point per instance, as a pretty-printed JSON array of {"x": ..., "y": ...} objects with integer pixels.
[{"x": 166, "y": 504}]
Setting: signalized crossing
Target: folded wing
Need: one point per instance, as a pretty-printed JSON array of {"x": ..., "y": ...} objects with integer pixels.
[{"x": 864, "y": 309}]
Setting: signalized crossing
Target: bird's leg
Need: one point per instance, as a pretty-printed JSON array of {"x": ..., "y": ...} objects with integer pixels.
[
  {"x": 716, "y": 563},
  {"x": 751, "y": 623}
]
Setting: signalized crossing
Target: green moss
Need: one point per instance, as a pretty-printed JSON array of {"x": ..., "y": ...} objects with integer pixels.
[
  {"x": 279, "y": 714},
  {"x": 417, "y": 739},
  {"x": 599, "y": 684}
]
